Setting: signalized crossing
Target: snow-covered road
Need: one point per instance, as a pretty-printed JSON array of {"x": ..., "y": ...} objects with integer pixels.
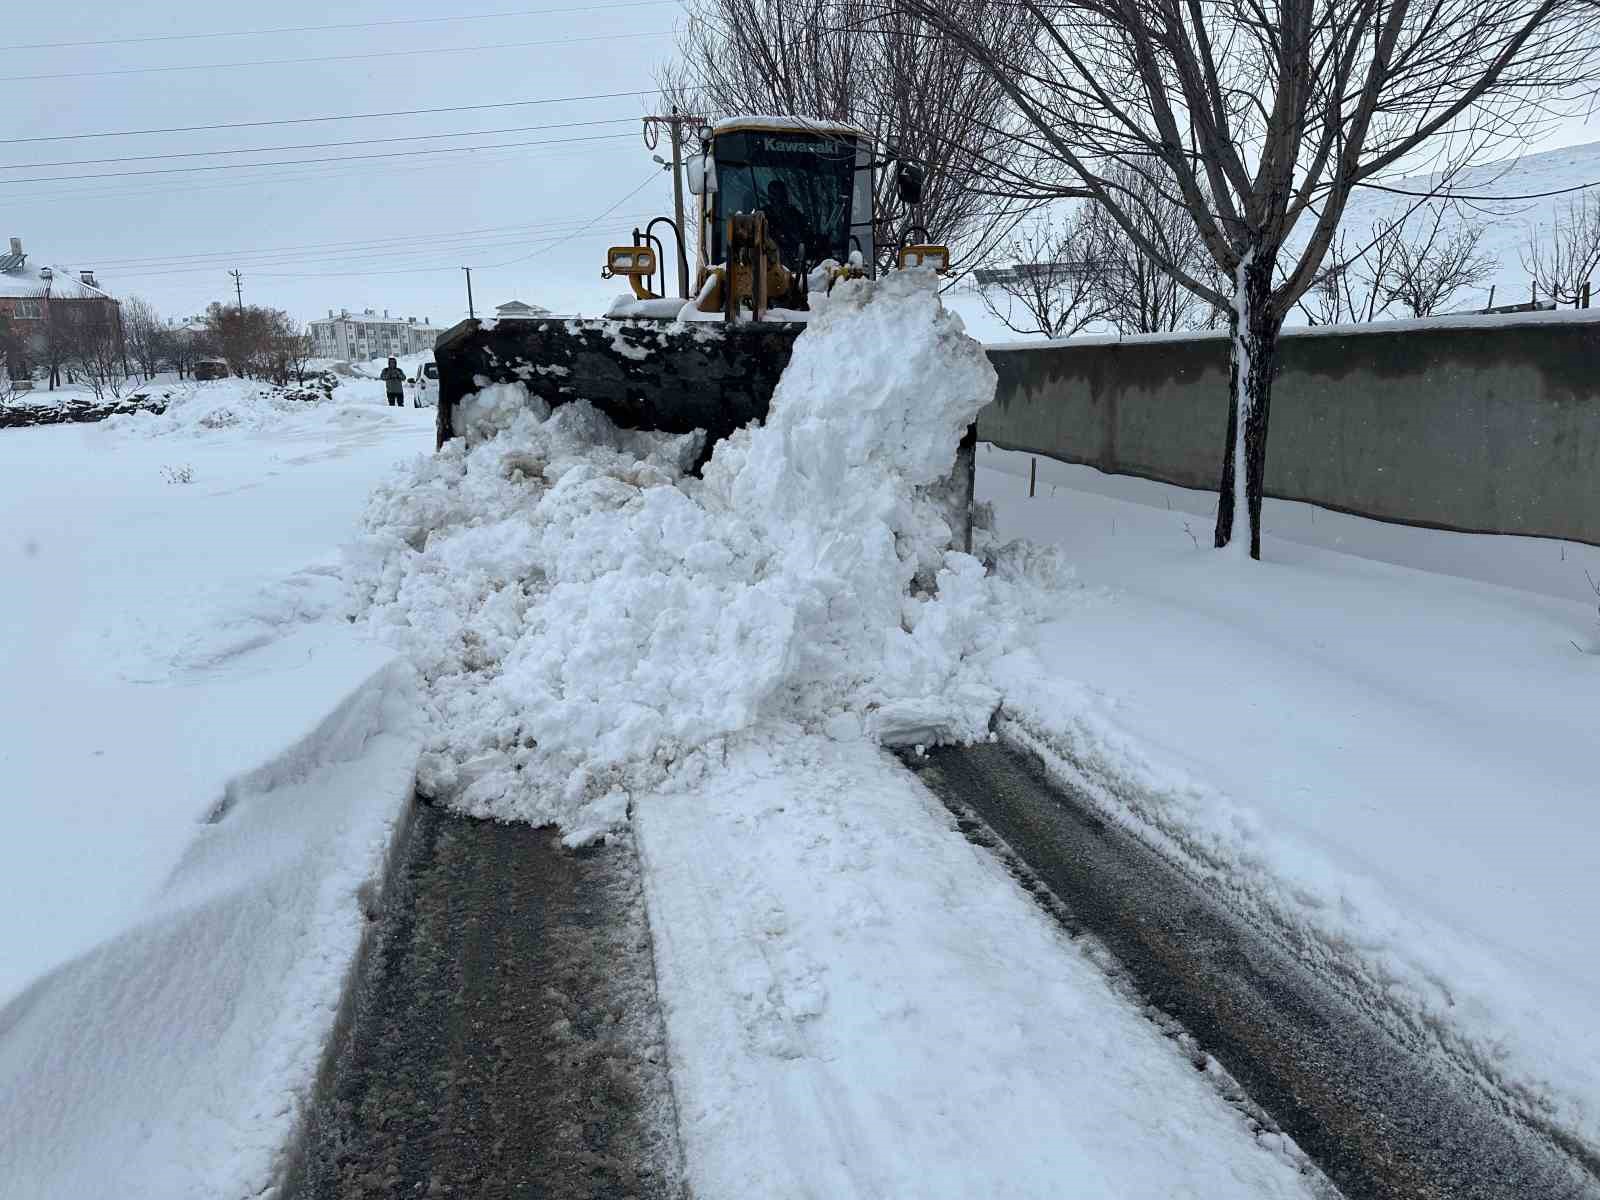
[{"x": 861, "y": 1003}]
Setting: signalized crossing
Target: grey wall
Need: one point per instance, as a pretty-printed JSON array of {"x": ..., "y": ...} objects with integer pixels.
[{"x": 1485, "y": 425}]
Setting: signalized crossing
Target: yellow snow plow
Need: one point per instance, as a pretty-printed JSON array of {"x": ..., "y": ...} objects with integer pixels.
[{"x": 784, "y": 208}]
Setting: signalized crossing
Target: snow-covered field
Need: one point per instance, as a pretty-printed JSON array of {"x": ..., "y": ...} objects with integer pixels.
[
  {"x": 204, "y": 767},
  {"x": 1391, "y": 768}
]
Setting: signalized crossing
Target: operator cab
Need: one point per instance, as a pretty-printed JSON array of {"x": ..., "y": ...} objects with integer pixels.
[
  {"x": 786, "y": 206},
  {"x": 812, "y": 180}
]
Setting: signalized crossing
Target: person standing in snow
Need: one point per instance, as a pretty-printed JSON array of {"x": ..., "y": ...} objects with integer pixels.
[{"x": 394, "y": 381}]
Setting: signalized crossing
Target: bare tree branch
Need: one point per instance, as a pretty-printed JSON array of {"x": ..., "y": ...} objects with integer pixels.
[
  {"x": 1054, "y": 282},
  {"x": 1564, "y": 257},
  {"x": 882, "y": 69},
  {"x": 1256, "y": 116}
]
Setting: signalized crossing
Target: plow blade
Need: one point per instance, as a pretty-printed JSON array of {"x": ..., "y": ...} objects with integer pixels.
[
  {"x": 643, "y": 374},
  {"x": 673, "y": 378}
]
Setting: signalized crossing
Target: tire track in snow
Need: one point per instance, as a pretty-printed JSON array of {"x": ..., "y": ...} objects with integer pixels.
[
  {"x": 1379, "y": 1121},
  {"x": 507, "y": 1041}
]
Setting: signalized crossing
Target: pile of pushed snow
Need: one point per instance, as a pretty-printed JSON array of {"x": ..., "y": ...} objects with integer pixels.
[
  {"x": 585, "y": 613},
  {"x": 243, "y": 404}
]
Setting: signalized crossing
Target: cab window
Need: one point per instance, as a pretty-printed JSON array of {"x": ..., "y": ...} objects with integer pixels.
[{"x": 802, "y": 181}]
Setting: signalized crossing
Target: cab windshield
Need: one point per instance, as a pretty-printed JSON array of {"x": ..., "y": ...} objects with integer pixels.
[{"x": 801, "y": 180}]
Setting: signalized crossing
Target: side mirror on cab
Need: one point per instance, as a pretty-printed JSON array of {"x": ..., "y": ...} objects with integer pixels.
[
  {"x": 701, "y": 174},
  {"x": 908, "y": 178}
]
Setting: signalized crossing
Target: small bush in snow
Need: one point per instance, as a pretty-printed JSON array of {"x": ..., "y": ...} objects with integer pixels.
[{"x": 178, "y": 474}]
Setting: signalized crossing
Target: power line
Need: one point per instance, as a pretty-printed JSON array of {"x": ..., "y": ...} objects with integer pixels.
[
  {"x": 417, "y": 268},
  {"x": 284, "y": 62},
  {"x": 458, "y": 245},
  {"x": 228, "y": 255},
  {"x": 406, "y": 112},
  {"x": 304, "y": 174},
  {"x": 648, "y": 179},
  {"x": 377, "y": 141},
  {"x": 295, "y": 162},
  {"x": 1577, "y": 187},
  {"x": 229, "y": 33}
]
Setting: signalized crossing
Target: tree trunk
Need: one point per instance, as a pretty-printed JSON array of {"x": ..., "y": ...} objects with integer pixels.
[{"x": 1252, "y": 361}]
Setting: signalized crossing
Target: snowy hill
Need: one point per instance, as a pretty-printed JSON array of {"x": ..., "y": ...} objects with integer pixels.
[{"x": 1507, "y": 223}]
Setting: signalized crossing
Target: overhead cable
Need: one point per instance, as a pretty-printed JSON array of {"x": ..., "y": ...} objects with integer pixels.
[
  {"x": 403, "y": 112},
  {"x": 375, "y": 141},
  {"x": 295, "y": 162},
  {"x": 229, "y": 33},
  {"x": 284, "y": 62}
]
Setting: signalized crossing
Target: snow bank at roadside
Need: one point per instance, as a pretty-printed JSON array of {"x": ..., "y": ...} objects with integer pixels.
[
  {"x": 173, "y": 1059},
  {"x": 240, "y": 404},
  {"x": 585, "y": 613},
  {"x": 1387, "y": 769}
]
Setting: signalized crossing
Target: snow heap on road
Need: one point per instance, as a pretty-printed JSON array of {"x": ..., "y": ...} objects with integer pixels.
[{"x": 586, "y": 613}]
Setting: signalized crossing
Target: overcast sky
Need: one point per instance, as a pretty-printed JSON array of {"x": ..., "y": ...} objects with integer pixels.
[
  {"x": 386, "y": 233},
  {"x": 275, "y": 223}
]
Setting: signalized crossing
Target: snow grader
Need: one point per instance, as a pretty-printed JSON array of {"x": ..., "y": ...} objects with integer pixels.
[{"x": 784, "y": 208}]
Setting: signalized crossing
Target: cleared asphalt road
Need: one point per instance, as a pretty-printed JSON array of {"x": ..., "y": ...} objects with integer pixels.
[
  {"x": 507, "y": 1041},
  {"x": 1378, "y": 1120}
]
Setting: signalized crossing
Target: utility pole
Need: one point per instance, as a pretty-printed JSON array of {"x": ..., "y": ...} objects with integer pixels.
[
  {"x": 470, "y": 312},
  {"x": 238, "y": 289},
  {"x": 675, "y": 124}
]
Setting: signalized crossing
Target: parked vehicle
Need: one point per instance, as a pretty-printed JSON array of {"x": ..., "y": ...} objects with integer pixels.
[
  {"x": 210, "y": 368},
  {"x": 426, "y": 394}
]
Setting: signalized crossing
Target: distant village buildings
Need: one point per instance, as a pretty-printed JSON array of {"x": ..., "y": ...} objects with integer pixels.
[
  {"x": 516, "y": 310},
  {"x": 356, "y": 337},
  {"x": 38, "y": 298}
]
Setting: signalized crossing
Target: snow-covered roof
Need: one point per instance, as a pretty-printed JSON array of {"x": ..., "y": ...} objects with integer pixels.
[
  {"x": 787, "y": 125},
  {"x": 25, "y": 280},
  {"x": 371, "y": 318},
  {"x": 520, "y": 308}
]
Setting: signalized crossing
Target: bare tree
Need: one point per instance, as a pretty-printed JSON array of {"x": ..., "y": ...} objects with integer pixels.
[
  {"x": 1563, "y": 258},
  {"x": 252, "y": 339},
  {"x": 146, "y": 334},
  {"x": 1418, "y": 259},
  {"x": 1141, "y": 296},
  {"x": 186, "y": 344},
  {"x": 53, "y": 336},
  {"x": 884, "y": 69},
  {"x": 298, "y": 349},
  {"x": 1052, "y": 282},
  {"x": 14, "y": 358},
  {"x": 94, "y": 346},
  {"x": 1357, "y": 279},
  {"x": 1432, "y": 266},
  {"x": 1264, "y": 114}
]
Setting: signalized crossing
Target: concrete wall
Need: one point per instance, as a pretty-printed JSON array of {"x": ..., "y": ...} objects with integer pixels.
[{"x": 1488, "y": 425}]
